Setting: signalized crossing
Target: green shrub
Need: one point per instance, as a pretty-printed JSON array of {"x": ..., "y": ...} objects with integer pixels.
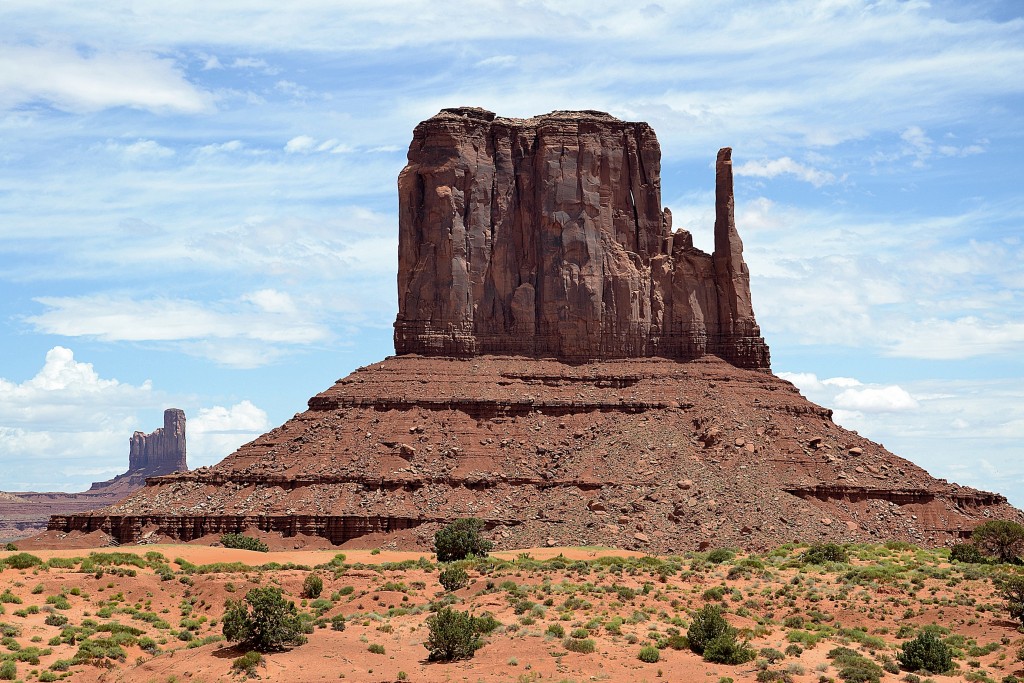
[
  {"x": 707, "y": 625},
  {"x": 242, "y": 542},
  {"x": 854, "y": 667},
  {"x": 999, "y": 537},
  {"x": 338, "y": 622},
  {"x": 453, "y": 578},
  {"x": 485, "y": 624},
  {"x": 460, "y": 539},
  {"x": 247, "y": 663},
  {"x": 967, "y": 553},
  {"x": 926, "y": 653},
  {"x": 22, "y": 561},
  {"x": 48, "y": 677},
  {"x": 313, "y": 586},
  {"x": 1011, "y": 588},
  {"x": 649, "y": 654},
  {"x": 557, "y": 630},
  {"x": 725, "y": 649},
  {"x": 583, "y": 646},
  {"x": 720, "y": 555},
  {"x": 452, "y": 636},
  {"x": 376, "y": 648},
  {"x": 820, "y": 553},
  {"x": 56, "y": 619},
  {"x": 10, "y": 546},
  {"x": 264, "y": 620},
  {"x": 8, "y": 671}
]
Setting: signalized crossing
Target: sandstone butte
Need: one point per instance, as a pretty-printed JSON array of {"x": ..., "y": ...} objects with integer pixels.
[
  {"x": 149, "y": 455},
  {"x": 569, "y": 369}
]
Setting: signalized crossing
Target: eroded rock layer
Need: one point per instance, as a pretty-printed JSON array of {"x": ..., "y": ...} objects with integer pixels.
[
  {"x": 546, "y": 237},
  {"x": 639, "y": 453}
]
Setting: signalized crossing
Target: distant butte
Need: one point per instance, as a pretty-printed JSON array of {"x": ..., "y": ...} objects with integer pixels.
[
  {"x": 570, "y": 369},
  {"x": 162, "y": 452}
]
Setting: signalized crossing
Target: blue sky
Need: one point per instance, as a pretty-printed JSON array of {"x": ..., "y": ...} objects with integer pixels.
[{"x": 198, "y": 201}]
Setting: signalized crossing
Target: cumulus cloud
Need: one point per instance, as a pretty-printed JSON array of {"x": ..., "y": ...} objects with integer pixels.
[
  {"x": 215, "y": 432},
  {"x": 770, "y": 168},
  {"x": 876, "y": 400},
  {"x": 76, "y": 82},
  {"x": 67, "y": 425},
  {"x": 300, "y": 143}
]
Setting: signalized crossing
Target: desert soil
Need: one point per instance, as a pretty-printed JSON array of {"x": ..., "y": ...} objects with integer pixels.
[{"x": 623, "y": 600}]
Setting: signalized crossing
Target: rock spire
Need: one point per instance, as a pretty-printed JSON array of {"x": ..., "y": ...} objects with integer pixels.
[
  {"x": 163, "y": 451},
  {"x": 545, "y": 237}
]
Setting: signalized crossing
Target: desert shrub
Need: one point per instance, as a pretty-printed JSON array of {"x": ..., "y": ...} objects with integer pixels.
[
  {"x": 967, "y": 553},
  {"x": 581, "y": 645},
  {"x": 707, "y": 625},
  {"x": 649, "y": 654},
  {"x": 1011, "y": 588},
  {"x": 485, "y": 624},
  {"x": 313, "y": 586},
  {"x": 926, "y": 652},
  {"x": 22, "y": 561},
  {"x": 452, "y": 636},
  {"x": 247, "y": 663},
  {"x": 453, "y": 578},
  {"x": 10, "y": 546},
  {"x": 376, "y": 648},
  {"x": 9, "y": 597},
  {"x": 820, "y": 553},
  {"x": 999, "y": 537},
  {"x": 338, "y": 622},
  {"x": 720, "y": 555},
  {"x": 56, "y": 619},
  {"x": 557, "y": 630},
  {"x": 243, "y": 542},
  {"x": 854, "y": 667},
  {"x": 725, "y": 649},
  {"x": 460, "y": 539},
  {"x": 264, "y": 620},
  {"x": 771, "y": 655},
  {"x": 8, "y": 671}
]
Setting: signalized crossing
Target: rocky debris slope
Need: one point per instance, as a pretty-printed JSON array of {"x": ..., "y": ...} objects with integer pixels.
[
  {"x": 149, "y": 455},
  {"x": 648, "y": 454},
  {"x": 545, "y": 237}
]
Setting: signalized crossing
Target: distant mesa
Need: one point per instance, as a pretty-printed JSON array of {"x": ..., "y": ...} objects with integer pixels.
[
  {"x": 149, "y": 455},
  {"x": 570, "y": 369}
]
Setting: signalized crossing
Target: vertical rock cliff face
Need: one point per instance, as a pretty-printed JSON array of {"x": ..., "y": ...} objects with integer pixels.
[
  {"x": 163, "y": 451},
  {"x": 545, "y": 237}
]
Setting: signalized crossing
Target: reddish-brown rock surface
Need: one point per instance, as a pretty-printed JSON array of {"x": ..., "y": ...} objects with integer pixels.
[
  {"x": 149, "y": 455},
  {"x": 545, "y": 237},
  {"x": 528, "y": 247}
]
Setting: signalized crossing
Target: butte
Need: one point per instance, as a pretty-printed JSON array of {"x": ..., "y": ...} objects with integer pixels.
[{"x": 569, "y": 369}]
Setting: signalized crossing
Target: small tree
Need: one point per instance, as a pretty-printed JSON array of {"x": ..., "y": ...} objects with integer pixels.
[
  {"x": 707, "y": 625},
  {"x": 312, "y": 587},
  {"x": 926, "y": 653},
  {"x": 1011, "y": 588},
  {"x": 820, "y": 553},
  {"x": 453, "y": 635},
  {"x": 999, "y": 537},
  {"x": 967, "y": 553},
  {"x": 264, "y": 620},
  {"x": 461, "y": 539}
]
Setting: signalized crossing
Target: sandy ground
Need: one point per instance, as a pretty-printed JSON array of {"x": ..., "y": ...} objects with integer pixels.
[{"x": 387, "y": 606}]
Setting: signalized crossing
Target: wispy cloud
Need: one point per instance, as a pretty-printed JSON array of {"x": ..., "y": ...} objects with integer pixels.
[{"x": 770, "y": 168}]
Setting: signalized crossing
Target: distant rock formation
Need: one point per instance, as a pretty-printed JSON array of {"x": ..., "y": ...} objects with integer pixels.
[
  {"x": 163, "y": 451},
  {"x": 149, "y": 455},
  {"x": 545, "y": 237}
]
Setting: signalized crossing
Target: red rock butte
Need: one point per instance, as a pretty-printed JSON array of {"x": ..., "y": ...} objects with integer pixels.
[
  {"x": 569, "y": 369},
  {"x": 546, "y": 237}
]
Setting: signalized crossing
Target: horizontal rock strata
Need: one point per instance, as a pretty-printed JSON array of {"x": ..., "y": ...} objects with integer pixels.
[{"x": 681, "y": 454}]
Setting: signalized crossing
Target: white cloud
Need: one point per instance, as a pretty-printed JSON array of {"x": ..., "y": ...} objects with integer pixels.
[
  {"x": 498, "y": 61},
  {"x": 140, "y": 150},
  {"x": 300, "y": 143},
  {"x": 960, "y": 338},
  {"x": 215, "y": 432},
  {"x": 244, "y": 333},
  {"x": 770, "y": 168},
  {"x": 876, "y": 399},
  {"x": 74, "y": 82}
]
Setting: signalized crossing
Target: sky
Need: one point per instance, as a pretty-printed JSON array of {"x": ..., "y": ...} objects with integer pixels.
[{"x": 198, "y": 202}]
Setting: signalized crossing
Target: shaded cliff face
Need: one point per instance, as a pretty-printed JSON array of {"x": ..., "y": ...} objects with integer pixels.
[{"x": 545, "y": 237}]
